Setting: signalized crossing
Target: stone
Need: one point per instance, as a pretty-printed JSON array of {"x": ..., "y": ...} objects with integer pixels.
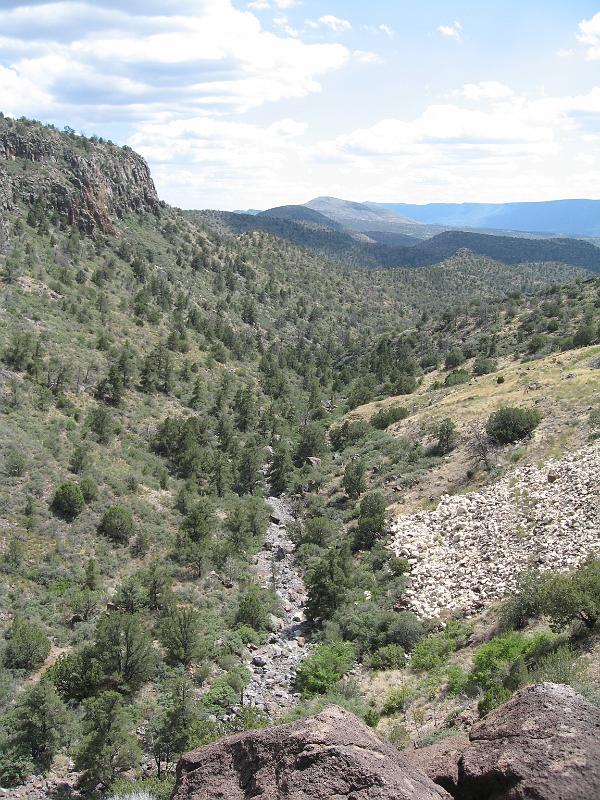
[
  {"x": 331, "y": 755},
  {"x": 92, "y": 187},
  {"x": 542, "y": 744}
]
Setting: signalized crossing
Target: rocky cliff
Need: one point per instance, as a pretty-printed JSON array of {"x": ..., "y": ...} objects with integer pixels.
[{"x": 86, "y": 182}]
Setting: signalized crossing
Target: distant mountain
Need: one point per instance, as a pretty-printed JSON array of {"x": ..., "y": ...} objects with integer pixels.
[
  {"x": 369, "y": 217},
  {"x": 302, "y": 214},
  {"x": 566, "y": 217}
]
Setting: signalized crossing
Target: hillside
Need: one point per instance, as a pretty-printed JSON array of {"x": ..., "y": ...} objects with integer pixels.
[
  {"x": 301, "y": 214},
  {"x": 507, "y": 249},
  {"x": 377, "y": 249},
  {"x": 196, "y": 469}
]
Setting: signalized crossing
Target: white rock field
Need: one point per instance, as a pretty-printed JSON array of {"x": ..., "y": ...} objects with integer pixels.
[{"x": 471, "y": 549}]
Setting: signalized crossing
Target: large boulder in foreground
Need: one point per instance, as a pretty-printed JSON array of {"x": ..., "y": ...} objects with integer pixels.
[
  {"x": 331, "y": 755},
  {"x": 544, "y": 744}
]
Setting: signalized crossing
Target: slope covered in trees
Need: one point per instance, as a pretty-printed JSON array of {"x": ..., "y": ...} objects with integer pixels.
[{"x": 154, "y": 372}]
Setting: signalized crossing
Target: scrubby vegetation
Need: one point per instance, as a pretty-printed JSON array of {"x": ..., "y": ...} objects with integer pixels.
[{"x": 159, "y": 379}]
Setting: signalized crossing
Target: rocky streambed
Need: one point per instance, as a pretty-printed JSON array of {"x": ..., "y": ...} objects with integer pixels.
[{"x": 274, "y": 663}]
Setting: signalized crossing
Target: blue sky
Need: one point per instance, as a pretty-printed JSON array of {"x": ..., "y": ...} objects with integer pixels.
[{"x": 254, "y": 103}]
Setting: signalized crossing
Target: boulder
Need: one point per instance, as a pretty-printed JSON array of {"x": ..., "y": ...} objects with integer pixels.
[
  {"x": 440, "y": 760},
  {"x": 331, "y": 755},
  {"x": 542, "y": 744}
]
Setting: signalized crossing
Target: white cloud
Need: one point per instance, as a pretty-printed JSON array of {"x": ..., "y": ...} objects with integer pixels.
[
  {"x": 335, "y": 24},
  {"x": 589, "y": 35},
  {"x": 212, "y": 57},
  {"x": 484, "y": 90},
  {"x": 203, "y": 162},
  {"x": 511, "y": 147},
  {"x": 386, "y": 29},
  {"x": 284, "y": 25},
  {"x": 565, "y": 53},
  {"x": 367, "y": 57},
  {"x": 453, "y": 31}
]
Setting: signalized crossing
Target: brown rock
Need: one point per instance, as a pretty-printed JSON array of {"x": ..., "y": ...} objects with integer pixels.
[
  {"x": 440, "y": 760},
  {"x": 331, "y": 755},
  {"x": 91, "y": 184},
  {"x": 544, "y": 744}
]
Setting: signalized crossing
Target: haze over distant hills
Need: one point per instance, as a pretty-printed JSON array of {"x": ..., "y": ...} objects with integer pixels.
[
  {"x": 566, "y": 217},
  {"x": 371, "y": 235}
]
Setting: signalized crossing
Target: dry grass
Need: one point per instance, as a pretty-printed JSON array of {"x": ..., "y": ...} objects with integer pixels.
[{"x": 563, "y": 387}]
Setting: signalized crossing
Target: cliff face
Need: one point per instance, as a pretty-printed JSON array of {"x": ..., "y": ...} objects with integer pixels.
[{"x": 90, "y": 183}]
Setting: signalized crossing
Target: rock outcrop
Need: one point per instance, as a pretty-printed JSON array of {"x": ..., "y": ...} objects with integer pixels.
[
  {"x": 471, "y": 549},
  {"x": 331, "y": 755},
  {"x": 89, "y": 183},
  {"x": 543, "y": 744}
]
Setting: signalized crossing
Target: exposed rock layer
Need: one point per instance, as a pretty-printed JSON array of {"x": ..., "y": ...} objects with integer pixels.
[
  {"x": 471, "y": 549},
  {"x": 332, "y": 755},
  {"x": 90, "y": 184},
  {"x": 543, "y": 744}
]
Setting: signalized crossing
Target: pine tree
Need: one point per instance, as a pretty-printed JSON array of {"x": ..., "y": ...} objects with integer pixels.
[
  {"x": 42, "y": 723},
  {"x": 281, "y": 470},
  {"x": 107, "y": 748},
  {"x": 124, "y": 650}
]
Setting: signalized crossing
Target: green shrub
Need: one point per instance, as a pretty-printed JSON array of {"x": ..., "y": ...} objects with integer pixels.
[
  {"x": 353, "y": 480},
  {"x": 27, "y": 646},
  {"x": 483, "y": 366},
  {"x": 350, "y": 432},
  {"x": 492, "y": 660},
  {"x": 433, "y": 651},
  {"x": 142, "y": 789},
  {"x": 388, "y": 416},
  {"x": 584, "y": 336},
  {"x": 89, "y": 489},
  {"x": 495, "y": 696},
  {"x": 255, "y": 606},
  {"x": 371, "y": 520},
  {"x": 458, "y": 681},
  {"x": 567, "y": 599},
  {"x": 320, "y": 671},
  {"x": 68, "y": 501},
  {"x": 220, "y": 697},
  {"x": 397, "y": 700},
  {"x": 456, "y": 377},
  {"x": 430, "y": 653},
  {"x": 117, "y": 524},
  {"x": 15, "y": 465},
  {"x": 390, "y": 656},
  {"x": 454, "y": 358},
  {"x": 559, "y": 666},
  {"x": 446, "y": 435},
  {"x": 510, "y": 424}
]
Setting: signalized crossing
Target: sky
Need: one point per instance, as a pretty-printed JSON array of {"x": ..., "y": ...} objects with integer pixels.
[{"x": 254, "y": 103}]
